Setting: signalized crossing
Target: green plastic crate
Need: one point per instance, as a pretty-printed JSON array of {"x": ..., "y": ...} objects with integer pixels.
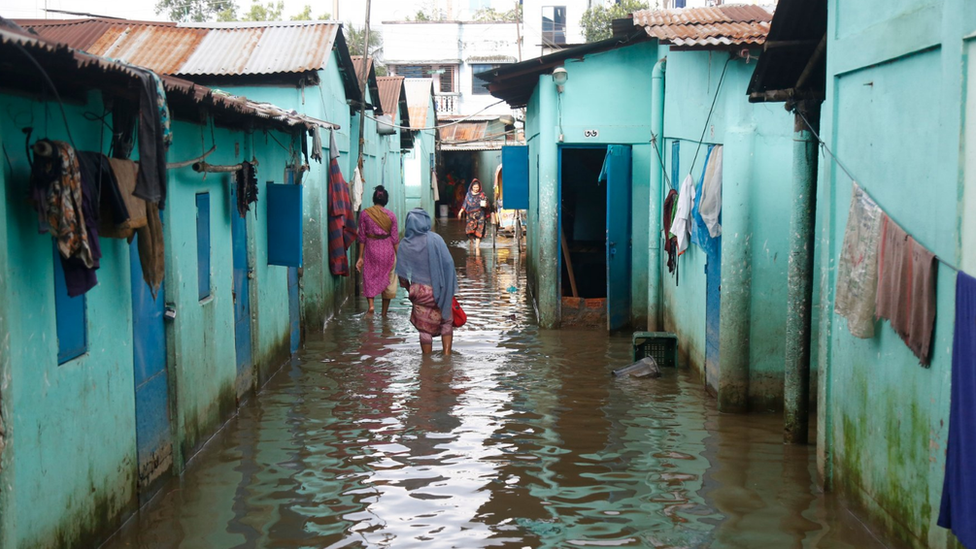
[{"x": 663, "y": 346}]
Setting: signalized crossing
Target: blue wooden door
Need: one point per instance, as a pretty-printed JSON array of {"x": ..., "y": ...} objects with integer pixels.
[
  {"x": 713, "y": 307},
  {"x": 154, "y": 447},
  {"x": 242, "y": 302},
  {"x": 618, "y": 166}
]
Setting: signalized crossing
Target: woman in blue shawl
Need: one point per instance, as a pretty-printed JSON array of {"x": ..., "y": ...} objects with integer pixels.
[
  {"x": 475, "y": 205},
  {"x": 426, "y": 270}
]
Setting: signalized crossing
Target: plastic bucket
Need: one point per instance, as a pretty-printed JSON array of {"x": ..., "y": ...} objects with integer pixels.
[{"x": 443, "y": 210}]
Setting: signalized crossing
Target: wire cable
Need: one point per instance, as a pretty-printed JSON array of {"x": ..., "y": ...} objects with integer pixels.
[
  {"x": 718, "y": 90},
  {"x": 50, "y": 83},
  {"x": 449, "y": 124},
  {"x": 823, "y": 145}
]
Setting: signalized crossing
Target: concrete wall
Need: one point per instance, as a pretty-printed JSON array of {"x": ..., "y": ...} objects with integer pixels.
[
  {"x": 68, "y": 464},
  {"x": 757, "y": 158},
  {"x": 895, "y": 96}
]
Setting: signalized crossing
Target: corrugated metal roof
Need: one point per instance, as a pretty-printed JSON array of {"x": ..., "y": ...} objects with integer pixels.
[
  {"x": 726, "y": 25},
  {"x": 419, "y": 91},
  {"x": 390, "y": 87},
  {"x": 464, "y": 132},
  {"x": 202, "y": 49}
]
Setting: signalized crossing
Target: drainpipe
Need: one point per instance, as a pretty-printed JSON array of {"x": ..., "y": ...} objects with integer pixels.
[
  {"x": 796, "y": 379},
  {"x": 736, "y": 306},
  {"x": 656, "y": 194}
]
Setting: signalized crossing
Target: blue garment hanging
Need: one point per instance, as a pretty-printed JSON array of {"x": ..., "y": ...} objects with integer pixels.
[{"x": 959, "y": 487}]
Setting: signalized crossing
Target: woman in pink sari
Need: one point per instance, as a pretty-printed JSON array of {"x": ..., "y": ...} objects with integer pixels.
[{"x": 379, "y": 239}]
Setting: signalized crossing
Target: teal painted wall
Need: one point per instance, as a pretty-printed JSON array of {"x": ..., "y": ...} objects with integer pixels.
[
  {"x": 322, "y": 293},
  {"x": 70, "y": 461},
  {"x": 421, "y": 194},
  {"x": 623, "y": 118},
  {"x": 892, "y": 114},
  {"x": 68, "y": 466}
]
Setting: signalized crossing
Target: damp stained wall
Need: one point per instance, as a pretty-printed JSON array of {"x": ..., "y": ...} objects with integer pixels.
[
  {"x": 621, "y": 116},
  {"x": 895, "y": 95}
]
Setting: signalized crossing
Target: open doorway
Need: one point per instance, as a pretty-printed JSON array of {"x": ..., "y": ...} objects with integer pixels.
[{"x": 583, "y": 236}]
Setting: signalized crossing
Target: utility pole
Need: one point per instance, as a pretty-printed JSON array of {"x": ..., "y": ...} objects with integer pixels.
[
  {"x": 362, "y": 82},
  {"x": 335, "y": 10},
  {"x": 518, "y": 32}
]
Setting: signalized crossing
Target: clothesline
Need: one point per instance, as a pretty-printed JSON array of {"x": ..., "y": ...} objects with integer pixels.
[{"x": 866, "y": 191}]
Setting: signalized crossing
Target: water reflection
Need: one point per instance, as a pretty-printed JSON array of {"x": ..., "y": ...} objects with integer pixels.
[{"x": 521, "y": 439}]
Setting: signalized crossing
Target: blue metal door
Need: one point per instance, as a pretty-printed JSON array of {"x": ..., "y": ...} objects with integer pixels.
[
  {"x": 293, "y": 309},
  {"x": 618, "y": 166},
  {"x": 713, "y": 307},
  {"x": 154, "y": 447},
  {"x": 242, "y": 302}
]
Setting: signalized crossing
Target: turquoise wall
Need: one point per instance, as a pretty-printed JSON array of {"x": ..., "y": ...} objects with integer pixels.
[
  {"x": 624, "y": 119},
  {"x": 757, "y": 160},
  {"x": 322, "y": 293},
  {"x": 68, "y": 464},
  {"x": 424, "y": 144},
  {"x": 892, "y": 114}
]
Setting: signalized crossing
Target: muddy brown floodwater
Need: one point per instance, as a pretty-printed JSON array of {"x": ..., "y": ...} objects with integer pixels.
[{"x": 521, "y": 439}]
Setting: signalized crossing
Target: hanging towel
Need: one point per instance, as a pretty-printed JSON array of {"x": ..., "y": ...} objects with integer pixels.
[
  {"x": 959, "y": 487},
  {"x": 681, "y": 227},
  {"x": 126, "y": 175},
  {"x": 857, "y": 270},
  {"x": 154, "y": 139},
  {"x": 711, "y": 201},
  {"x": 57, "y": 193},
  {"x": 433, "y": 184},
  {"x": 906, "y": 288},
  {"x": 700, "y": 235}
]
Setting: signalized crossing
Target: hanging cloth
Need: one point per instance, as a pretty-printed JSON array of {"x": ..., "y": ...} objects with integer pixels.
[
  {"x": 959, "y": 487},
  {"x": 57, "y": 194},
  {"x": 699, "y": 230},
  {"x": 857, "y": 269},
  {"x": 246, "y": 180},
  {"x": 342, "y": 223},
  {"x": 433, "y": 184},
  {"x": 357, "y": 189},
  {"x": 150, "y": 246},
  {"x": 316, "y": 153},
  {"x": 710, "y": 207},
  {"x": 154, "y": 138},
  {"x": 681, "y": 226},
  {"x": 670, "y": 242},
  {"x": 125, "y": 175},
  {"x": 906, "y": 288}
]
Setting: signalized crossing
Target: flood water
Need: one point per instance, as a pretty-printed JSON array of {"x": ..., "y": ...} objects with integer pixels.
[{"x": 521, "y": 439}]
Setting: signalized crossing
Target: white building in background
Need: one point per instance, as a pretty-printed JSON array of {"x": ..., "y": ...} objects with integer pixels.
[{"x": 452, "y": 53}]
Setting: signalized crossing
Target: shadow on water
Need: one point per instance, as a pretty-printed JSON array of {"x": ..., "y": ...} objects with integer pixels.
[{"x": 521, "y": 439}]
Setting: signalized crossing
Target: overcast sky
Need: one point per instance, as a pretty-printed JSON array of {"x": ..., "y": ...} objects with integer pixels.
[{"x": 349, "y": 10}]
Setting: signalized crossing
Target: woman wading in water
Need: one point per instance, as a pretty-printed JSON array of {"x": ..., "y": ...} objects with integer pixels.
[
  {"x": 475, "y": 205},
  {"x": 379, "y": 238},
  {"x": 426, "y": 270}
]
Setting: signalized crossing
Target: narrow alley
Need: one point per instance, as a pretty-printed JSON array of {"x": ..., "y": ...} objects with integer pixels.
[{"x": 521, "y": 439}]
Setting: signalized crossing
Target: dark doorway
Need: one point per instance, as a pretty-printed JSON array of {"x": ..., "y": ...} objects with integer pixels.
[{"x": 583, "y": 222}]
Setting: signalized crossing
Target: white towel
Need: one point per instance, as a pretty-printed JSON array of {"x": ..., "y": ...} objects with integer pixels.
[{"x": 681, "y": 227}]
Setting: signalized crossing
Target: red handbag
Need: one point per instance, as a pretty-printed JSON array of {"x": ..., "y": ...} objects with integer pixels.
[{"x": 460, "y": 317}]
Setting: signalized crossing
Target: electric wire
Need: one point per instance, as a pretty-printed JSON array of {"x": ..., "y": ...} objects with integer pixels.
[
  {"x": 718, "y": 90},
  {"x": 447, "y": 125},
  {"x": 823, "y": 145},
  {"x": 50, "y": 83}
]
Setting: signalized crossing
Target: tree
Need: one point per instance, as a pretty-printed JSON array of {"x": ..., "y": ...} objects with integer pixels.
[
  {"x": 264, "y": 12},
  {"x": 306, "y": 15},
  {"x": 195, "y": 10},
  {"x": 491, "y": 14},
  {"x": 597, "y": 21},
  {"x": 356, "y": 38}
]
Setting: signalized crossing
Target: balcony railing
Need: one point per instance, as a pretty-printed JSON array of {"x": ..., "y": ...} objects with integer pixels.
[{"x": 448, "y": 104}]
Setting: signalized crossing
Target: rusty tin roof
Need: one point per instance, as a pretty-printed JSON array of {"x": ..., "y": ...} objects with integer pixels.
[
  {"x": 725, "y": 25},
  {"x": 419, "y": 91},
  {"x": 390, "y": 88},
  {"x": 219, "y": 49}
]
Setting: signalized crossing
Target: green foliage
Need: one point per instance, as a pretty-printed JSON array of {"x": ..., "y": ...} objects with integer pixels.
[
  {"x": 264, "y": 12},
  {"x": 356, "y": 39},
  {"x": 491, "y": 14},
  {"x": 597, "y": 21},
  {"x": 195, "y": 10},
  {"x": 306, "y": 15}
]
